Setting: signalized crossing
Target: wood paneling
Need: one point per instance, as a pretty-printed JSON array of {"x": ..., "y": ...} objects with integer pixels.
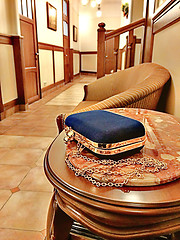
[
  {"x": 46, "y": 46},
  {"x": 71, "y": 63},
  {"x": 26, "y": 19},
  {"x": 30, "y": 51},
  {"x": 54, "y": 72},
  {"x": 5, "y": 39},
  {"x": 112, "y": 46},
  {"x": 76, "y": 51},
  {"x": 66, "y": 41},
  {"x": 31, "y": 70},
  {"x": 88, "y": 72},
  {"x": 10, "y": 104},
  {"x": 19, "y": 69},
  {"x": 169, "y": 15},
  {"x": 52, "y": 86},
  {"x": 89, "y": 52}
]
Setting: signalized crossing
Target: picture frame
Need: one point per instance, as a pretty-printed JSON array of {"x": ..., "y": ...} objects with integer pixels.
[
  {"x": 51, "y": 17},
  {"x": 159, "y": 3},
  {"x": 75, "y": 33}
]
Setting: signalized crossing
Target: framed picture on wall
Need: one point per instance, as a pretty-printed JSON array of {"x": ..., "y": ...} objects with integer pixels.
[
  {"x": 51, "y": 17},
  {"x": 159, "y": 3},
  {"x": 75, "y": 33}
]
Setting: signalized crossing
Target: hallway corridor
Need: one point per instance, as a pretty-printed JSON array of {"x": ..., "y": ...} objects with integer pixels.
[{"x": 24, "y": 190}]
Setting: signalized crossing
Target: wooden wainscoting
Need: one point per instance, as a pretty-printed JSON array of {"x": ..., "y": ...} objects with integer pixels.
[
  {"x": 72, "y": 64},
  {"x": 52, "y": 48},
  {"x": 7, "y": 109}
]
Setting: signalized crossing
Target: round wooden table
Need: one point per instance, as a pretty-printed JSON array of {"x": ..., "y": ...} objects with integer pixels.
[{"x": 129, "y": 212}]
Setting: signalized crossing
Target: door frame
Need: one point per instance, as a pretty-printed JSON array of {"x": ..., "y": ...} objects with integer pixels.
[
  {"x": 66, "y": 19},
  {"x": 36, "y": 50}
]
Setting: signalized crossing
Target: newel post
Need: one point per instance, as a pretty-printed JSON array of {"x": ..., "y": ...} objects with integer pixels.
[{"x": 101, "y": 50}]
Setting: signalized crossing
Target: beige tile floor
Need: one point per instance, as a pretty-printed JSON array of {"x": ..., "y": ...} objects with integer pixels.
[{"x": 24, "y": 137}]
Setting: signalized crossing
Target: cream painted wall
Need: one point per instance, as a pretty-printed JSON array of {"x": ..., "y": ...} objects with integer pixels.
[
  {"x": 9, "y": 24},
  {"x": 137, "y": 9},
  {"x": 74, "y": 20},
  {"x": 88, "y": 22},
  {"x": 9, "y": 17},
  {"x": 166, "y": 52},
  {"x": 45, "y": 34},
  {"x": 46, "y": 67},
  {"x": 88, "y": 25},
  {"x": 89, "y": 62},
  {"x": 139, "y": 34},
  {"x": 7, "y": 73},
  {"x": 137, "y": 13},
  {"x": 59, "y": 66},
  {"x": 76, "y": 63}
]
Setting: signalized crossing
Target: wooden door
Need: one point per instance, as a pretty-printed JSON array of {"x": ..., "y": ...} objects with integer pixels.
[
  {"x": 111, "y": 50},
  {"x": 28, "y": 31},
  {"x": 66, "y": 41}
]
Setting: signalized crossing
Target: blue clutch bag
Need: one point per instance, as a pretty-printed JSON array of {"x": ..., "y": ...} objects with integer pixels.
[{"x": 104, "y": 132}]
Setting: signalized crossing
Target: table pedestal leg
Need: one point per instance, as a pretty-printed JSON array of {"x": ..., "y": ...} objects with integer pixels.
[
  {"x": 62, "y": 225},
  {"x": 175, "y": 236},
  {"x": 58, "y": 223}
]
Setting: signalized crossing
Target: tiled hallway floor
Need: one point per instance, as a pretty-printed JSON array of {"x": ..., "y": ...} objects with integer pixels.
[{"x": 24, "y": 190}]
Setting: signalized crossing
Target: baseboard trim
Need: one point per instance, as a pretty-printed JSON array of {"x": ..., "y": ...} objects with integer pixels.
[
  {"x": 76, "y": 75},
  {"x": 10, "y": 104},
  {"x": 88, "y": 73},
  {"x": 53, "y": 85},
  {"x": 10, "y": 108}
]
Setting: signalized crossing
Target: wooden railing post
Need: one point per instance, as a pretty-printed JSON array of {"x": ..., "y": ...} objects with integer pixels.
[
  {"x": 101, "y": 50},
  {"x": 129, "y": 52}
]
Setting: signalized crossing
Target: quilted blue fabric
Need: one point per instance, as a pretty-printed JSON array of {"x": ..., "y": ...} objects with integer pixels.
[{"x": 105, "y": 127}]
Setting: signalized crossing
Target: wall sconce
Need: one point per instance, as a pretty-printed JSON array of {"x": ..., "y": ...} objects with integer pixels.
[
  {"x": 99, "y": 13},
  {"x": 84, "y": 2},
  {"x": 93, "y": 3}
]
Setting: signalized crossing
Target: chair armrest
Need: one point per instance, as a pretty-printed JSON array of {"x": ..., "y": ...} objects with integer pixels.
[{"x": 134, "y": 97}]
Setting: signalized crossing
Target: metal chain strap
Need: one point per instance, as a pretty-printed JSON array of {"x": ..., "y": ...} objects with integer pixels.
[{"x": 144, "y": 163}]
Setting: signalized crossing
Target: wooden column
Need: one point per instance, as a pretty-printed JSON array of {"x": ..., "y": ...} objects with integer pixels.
[
  {"x": 129, "y": 62},
  {"x": 71, "y": 64},
  {"x": 133, "y": 48},
  {"x": 54, "y": 73},
  {"x": 101, "y": 50},
  {"x": 126, "y": 53},
  {"x": 20, "y": 71},
  {"x": 129, "y": 58},
  {"x": 116, "y": 47}
]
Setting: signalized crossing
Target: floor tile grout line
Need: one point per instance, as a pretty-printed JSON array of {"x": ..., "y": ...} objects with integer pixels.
[
  {"x": 7, "y": 199},
  {"x": 47, "y": 110}
]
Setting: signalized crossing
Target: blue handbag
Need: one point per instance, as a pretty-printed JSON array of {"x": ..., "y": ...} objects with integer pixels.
[{"x": 104, "y": 132}]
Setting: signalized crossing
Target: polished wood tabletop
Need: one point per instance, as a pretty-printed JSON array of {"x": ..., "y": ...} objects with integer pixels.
[{"x": 129, "y": 212}]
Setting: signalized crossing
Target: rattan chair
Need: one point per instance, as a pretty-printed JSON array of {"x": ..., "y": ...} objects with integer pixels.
[{"x": 138, "y": 87}]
